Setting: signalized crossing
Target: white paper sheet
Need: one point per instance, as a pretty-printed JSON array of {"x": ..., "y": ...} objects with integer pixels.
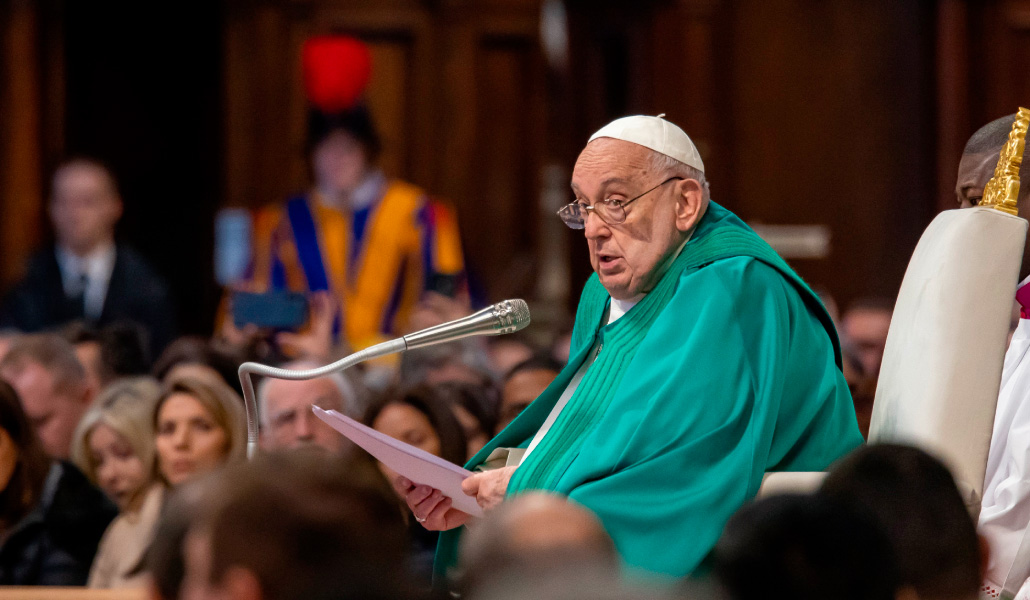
[{"x": 414, "y": 463}]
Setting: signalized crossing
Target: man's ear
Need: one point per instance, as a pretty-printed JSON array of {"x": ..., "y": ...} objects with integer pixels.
[
  {"x": 690, "y": 204},
  {"x": 241, "y": 584}
]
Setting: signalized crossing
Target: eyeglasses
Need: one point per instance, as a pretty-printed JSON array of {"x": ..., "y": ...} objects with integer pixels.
[{"x": 610, "y": 211}]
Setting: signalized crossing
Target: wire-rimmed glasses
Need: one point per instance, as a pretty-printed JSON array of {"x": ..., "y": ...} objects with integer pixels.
[{"x": 610, "y": 211}]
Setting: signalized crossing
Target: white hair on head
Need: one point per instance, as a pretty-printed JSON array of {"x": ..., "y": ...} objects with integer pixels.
[
  {"x": 663, "y": 163},
  {"x": 351, "y": 405}
]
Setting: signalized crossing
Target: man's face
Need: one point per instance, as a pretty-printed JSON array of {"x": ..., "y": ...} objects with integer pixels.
[
  {"x": 84, "y": 207},
  {"x": 867, "y": 330},
  {"x": 626, "y": 256},
  {"x": 339, "y": 162},
  {"x": 974, "y": 171},
  {"x": 520, "y": 391},
  {"x": 53, "y": 413},
  {"x": 290, "y": 422}
]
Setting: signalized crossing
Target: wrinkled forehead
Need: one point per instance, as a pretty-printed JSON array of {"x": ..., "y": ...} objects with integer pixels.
[
  {"x": 607, "y": 159},
  {"x": 283, "y": 393}
]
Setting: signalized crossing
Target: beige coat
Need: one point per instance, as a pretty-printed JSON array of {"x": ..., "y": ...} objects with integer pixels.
[{"x": 122, "y": 549}]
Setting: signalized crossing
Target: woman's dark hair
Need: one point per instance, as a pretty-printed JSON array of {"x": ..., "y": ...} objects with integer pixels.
[
  {"x": 26, "y": 483},
  {"x": 198, "y": 350},
  {"x": 429, "y": 402},
  {"x": 481, "y": 401}
]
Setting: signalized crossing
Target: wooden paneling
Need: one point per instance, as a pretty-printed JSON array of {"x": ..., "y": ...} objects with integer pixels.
[
  {"x": 21, "y": 135},
  {"x": 832, "y": 123}
]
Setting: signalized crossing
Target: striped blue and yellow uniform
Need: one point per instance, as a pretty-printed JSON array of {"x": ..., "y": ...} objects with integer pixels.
[{"x": 377, "y": 260}]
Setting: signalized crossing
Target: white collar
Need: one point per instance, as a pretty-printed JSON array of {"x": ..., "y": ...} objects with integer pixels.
[
  {"x": 366, "y": 194},
  {"x": 97, "y": 263}
]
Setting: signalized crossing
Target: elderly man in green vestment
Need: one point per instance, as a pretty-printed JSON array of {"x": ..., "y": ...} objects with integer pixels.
[{"x": 699, "y": 362}]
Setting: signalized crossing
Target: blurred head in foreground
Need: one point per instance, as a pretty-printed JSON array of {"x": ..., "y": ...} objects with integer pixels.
[
  {"x": 804, "y": 548},
  {"x": 293, "y": 525},
  {"x": 913, "y": 497},
  {"x": 532, "y": 534}
]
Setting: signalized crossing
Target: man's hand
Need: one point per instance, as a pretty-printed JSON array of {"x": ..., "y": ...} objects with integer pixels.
[
  {"x": 317, "y": 342},
  {"x": 488, "y": 487},
  {"x": 431, "y": 508}
]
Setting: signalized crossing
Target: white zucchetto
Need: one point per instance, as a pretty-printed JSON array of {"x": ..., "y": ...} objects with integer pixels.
[{"x": 655, "y": 133}]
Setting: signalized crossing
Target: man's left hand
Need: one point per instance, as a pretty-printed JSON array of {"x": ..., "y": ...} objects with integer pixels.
[{"x": 488, "y": 487}]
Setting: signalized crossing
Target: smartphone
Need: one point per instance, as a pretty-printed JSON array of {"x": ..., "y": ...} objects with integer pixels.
[
  {"x": 447, "y": 285},
  {"x": 274, "y": 310}
]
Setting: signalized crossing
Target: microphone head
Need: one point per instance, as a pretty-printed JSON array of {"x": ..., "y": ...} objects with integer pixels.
[{"x": 511, "y": 316}]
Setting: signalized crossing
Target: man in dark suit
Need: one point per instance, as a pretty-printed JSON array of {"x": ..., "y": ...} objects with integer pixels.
[{"x": 85, "y": 275}]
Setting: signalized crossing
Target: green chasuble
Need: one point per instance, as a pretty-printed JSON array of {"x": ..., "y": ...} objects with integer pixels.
[{"x": 727, "y": 369}]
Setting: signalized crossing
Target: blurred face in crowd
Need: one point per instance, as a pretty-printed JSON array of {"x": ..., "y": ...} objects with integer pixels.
[
  {"x": 8, "y": 458},
  {"x": 410, "y": 425},
  {"x": 88, "y": 354},
  {"x": 53, "y": 410},
  {"x": 120, "y": 471},
  {"x": 289, "y": 420},
  {"x": 475, "y": 437},
  {"x": 189, "y": 439},
  {"x": 520, "y": 391},
  {"x": 340, "y": 164},
  {"x": 867, "y": 330},
  {"x": 626, "y": 256},
  {"x": 85, "y": 207}
]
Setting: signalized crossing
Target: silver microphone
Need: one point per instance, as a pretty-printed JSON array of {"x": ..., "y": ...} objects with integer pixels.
[
  {"x": 504, "y": 317},
  {"x": 501, "y": 318}
]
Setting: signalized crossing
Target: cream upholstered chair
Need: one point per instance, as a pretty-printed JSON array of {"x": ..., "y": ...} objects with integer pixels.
[{"x": 941, "y": 370}]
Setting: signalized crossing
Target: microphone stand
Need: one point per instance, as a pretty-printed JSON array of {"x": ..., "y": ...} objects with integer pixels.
[
  {"x": 253, "y": 368},
  {"x": 503, "y": 317}
]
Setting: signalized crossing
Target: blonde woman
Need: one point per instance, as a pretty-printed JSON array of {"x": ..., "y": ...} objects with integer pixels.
[
  {"x": 199, "y": 425},
  {"x": 114, "y": 447}
]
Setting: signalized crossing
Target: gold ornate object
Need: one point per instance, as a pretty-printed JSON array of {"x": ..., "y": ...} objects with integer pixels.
[{"x": 1002, "y": 190}]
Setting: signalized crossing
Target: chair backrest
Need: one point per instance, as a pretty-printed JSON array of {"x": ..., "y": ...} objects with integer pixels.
[{"x": 941, "y": 371}]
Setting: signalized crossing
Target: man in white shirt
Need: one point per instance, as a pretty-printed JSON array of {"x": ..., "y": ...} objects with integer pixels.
[
  {"x": 85, "y": 275},
  {"x": 1005, "y": 508}
]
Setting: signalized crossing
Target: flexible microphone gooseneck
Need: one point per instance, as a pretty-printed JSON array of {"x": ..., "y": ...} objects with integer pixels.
[{"x": 501, "y": 318}]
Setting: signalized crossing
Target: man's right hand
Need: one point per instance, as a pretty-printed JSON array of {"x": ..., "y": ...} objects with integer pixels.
[{"x": 431, "y": 508}]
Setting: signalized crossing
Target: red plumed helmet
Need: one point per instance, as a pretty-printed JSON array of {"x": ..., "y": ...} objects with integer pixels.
[{"x": 337, "y": 70}]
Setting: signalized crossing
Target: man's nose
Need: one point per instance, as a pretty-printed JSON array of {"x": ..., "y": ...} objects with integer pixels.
[
  {"x": 305, "y": 426},
  {"x": 594, "y": 226}
]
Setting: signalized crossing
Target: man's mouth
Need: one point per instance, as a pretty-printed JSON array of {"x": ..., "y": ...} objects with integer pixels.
[{"x": 606, "y": 260}]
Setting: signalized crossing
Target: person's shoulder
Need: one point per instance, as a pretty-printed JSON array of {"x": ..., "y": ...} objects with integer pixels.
[
  {"x": 138, "y": 268},
  {"x": 42, "y": 263},
  {"x": 737, "y": 276},
  {"x": 400, "y": 187},
  {"x": 76, "y": 502}
]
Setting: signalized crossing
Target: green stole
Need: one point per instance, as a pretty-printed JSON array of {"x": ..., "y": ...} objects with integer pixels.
[{"x": 720, "y": 235}]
